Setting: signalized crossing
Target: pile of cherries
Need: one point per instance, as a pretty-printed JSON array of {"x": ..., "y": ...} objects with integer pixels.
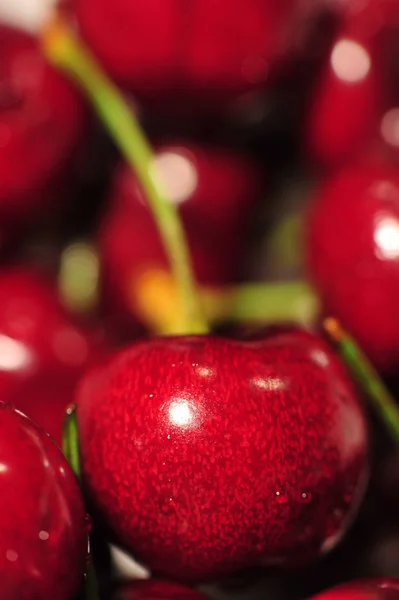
[{"x": 243, "y": 463}]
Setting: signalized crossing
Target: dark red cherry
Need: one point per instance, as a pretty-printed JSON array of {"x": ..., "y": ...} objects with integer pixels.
[
  {"x": 41, "y": 121},
  {"x": 385, "y": 588},
  {"x": 207, "y": 455},
  {"x": 215, "y": 191},
  {"x": 157, "y": 589},
  {"x": 356, "y": 87},
  {"x": 43, "y": 351},
  {"x": 204, "y": 51},
  {"x": 353, "y": 256},
  {"x": 43, "y": 534}
]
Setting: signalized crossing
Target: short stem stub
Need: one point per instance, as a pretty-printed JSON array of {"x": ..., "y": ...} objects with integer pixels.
[
  {"x": 70, "y": 448},
  {"x": 365, "y": 376},
  {"x": 70, "y": 445}
]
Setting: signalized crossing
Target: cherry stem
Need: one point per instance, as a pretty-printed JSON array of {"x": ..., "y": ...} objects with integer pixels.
[
  {"x": 365, "y": 375},
  {"x": 262, "y": 303},
  {"x": 68, "y": 53},
  {"x": 70, "y": 448},
  {"x": 70, "y": 445}
]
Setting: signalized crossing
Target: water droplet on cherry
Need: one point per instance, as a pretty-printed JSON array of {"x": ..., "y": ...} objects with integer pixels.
[
  {"x": 306, "y": 497},
  {"x": 281, "y": 498}
]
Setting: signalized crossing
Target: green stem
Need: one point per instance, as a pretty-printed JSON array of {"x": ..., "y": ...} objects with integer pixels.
[
  {"x": 262, "y": 303},
  {"x": 366, "y": 376},
  {"x": 68, "y": 53},
  {"x": 70, "y": 448}
]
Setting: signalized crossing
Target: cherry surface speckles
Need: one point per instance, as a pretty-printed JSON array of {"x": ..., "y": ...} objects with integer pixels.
[
  {"x": 353, "y": 256},
  {"x": 385, "y": 588},
  {"x": 207, "y": 455},
  {"x": 155, "y": 589},
  {"x": 43, "y": 534}
]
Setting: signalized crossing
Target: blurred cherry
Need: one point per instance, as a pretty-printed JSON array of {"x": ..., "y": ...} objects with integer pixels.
[
  {"x": 155, "y": 589},
  {"x": 357, "y": 86},
  {"x": 364, "y": 589},
  {"x": 215, "y": 191},
  {"x": 353, "y": 256},
  {"x": 43, "y": 351},
  {"x": 41, "y": 122},
  {"x": 201, "y": 53}
]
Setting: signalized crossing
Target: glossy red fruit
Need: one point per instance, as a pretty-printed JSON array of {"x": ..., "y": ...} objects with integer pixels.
[
  {"x": 204, "y": 51},
  {"x": 207, "y": 455},
  {"x": 356, "y": 87},
  {"x": 42, "y": 350},
  {"x": 43, "y": 539},
  {"x": 386, "y": 588},
  {"x": 353, "y": 256},
  {"x": 157, "y": 589},
  {"x": 41, "y": 122},
  {"x": 215, "y": 191}
]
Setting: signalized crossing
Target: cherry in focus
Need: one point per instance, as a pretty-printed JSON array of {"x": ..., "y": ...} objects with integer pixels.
[
  {"x": 205, "y": 455},
  {"x": 41, "y": 123},
  {"x": 353, "y": 256},
  {"x": 43, "y": 540}
]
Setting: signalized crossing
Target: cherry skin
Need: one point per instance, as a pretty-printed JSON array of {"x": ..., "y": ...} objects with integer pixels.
[
  {"x": 215, "y": 190},
  {"x": 41, "y": 122},
  {"x": 205, "y": 53},
  {"x": 353, "y": 256},
  {"x": 207, "y": 455},
  {"x": 155, "y": 589},
  {"x": 43, "y": 539},
  {"x": 356, "y": 88},
  {"x": 386, "y": 588},
  {"x": 43, "y": 351}
]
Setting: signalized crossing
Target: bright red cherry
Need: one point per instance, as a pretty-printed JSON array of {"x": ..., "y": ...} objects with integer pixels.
[
  {"x": 41, "y": 120},
  {"x": 43, "y": 532},
  {"x": 42, "y": 350},
  {"x": 385, "y": 588},
  {"x": 207, "y": 455},
  {"x": 204, "y": 52},
  {"x": 353, "y": 256},
  {"x": 155, "y": 589},
  {"x": 215, "y": 191}
]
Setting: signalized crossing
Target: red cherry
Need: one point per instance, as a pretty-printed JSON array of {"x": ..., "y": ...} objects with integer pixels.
[
  {"x": 353, "y": 256},
  {"x": 41, "y": 119},
  {"x": 42, "y": 350},
  {"x": 215, "y": 190},
  {"x": 43, "y": 541},
  {"x": 155, "y": 589},
  {"x": 207, "y": 455},
  {"x": 205, "y": 51},
  {"x": 355, "y": 88},
  {"x": 385, "y": 588}
]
